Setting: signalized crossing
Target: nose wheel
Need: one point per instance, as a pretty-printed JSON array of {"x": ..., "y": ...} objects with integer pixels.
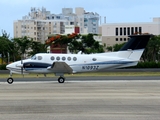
[
  {"x": 10, "y": 80},
  {"x": 61, "y": 79}
]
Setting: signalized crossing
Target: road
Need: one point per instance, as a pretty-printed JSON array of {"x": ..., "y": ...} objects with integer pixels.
[{"x": 80, "y": 100}]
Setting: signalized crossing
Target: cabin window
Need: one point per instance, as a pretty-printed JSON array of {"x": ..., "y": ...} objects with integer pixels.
[
  {"x": 39, "y": 57},
  {"x": 58, "y": 58},
  {"x": 52, "y": 58},
  {"x": 69, "y": 58},
  {"x": 63, "y": 58},
  {"x": 74, "y": 58},
  {"x": 94, "y": 59}
]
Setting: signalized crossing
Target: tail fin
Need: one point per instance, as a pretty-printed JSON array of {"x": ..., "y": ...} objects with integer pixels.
[
  {"x": 136, "y": 42},
  {"x": 134, "y": 48}
]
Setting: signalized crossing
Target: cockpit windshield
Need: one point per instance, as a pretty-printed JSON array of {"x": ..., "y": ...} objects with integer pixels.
[{"x": 33, "y": 57}]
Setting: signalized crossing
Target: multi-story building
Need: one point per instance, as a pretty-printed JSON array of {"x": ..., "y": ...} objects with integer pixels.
[
  {"x": 113, "y": 33},
  {"x": 38, "y": 24}
]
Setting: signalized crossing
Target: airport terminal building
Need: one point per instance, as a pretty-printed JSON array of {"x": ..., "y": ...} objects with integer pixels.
[{"x": 113, "y": 33}]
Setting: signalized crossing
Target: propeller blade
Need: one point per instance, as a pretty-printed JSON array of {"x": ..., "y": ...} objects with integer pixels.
[{"x": 22, "y": 67}]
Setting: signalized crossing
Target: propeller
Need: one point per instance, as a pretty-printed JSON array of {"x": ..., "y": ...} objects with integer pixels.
[{"x": 22, "y": 66}]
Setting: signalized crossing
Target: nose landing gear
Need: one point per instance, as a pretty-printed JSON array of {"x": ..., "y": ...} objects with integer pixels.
[{"x": 10, "y": 80}]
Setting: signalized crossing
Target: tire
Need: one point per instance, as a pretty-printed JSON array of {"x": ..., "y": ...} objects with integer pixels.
[
  {"x": 61, "y": 79},
  {"x": 10, "y": 80}
]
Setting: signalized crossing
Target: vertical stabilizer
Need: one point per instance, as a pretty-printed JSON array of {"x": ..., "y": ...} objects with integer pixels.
[{"x": 134, "y": 48}]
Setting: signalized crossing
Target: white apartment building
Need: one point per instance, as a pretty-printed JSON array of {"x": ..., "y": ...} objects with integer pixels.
[
  {"x": 113, "y": 33},
  {"x": 38, "y": 24}
]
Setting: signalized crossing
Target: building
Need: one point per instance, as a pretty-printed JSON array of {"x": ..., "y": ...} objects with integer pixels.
[
  {"x": 40, "y": 23},
  {"x": 113, "y": 33}
]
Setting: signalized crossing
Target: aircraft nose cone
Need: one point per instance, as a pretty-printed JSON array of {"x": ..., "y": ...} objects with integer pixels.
[{"x": 8, "y": 66}]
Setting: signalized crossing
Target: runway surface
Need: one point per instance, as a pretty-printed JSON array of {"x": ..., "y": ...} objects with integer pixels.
[
  {"x": 84, "y": 78},
  {"x": 80, "y": 100}
]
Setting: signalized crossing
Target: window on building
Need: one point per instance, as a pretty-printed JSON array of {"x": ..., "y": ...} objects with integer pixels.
[
  {"x": 116, "y": 39},
  {"x": 120, "y": 31},
  {"x": 120, "y": 39},
  {"x": 116, "y": 31},
  {"x": 124, "y": 29},
  {"x": 132, "y": 30},
  {"x": 140, "y": 29},
  {"x": 124, "y": 39},
  {"x": 136, "y": 29},
  {"x": 128, "y": 31}
]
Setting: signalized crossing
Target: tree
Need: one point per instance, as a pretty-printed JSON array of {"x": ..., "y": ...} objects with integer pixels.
[
  {"x": 115, "y": 47},
  {"x": 152, "y": 50},
  {"x": 86, "y": 44},
  {"x": 22, "y": 45},
  {"x": 5, "y": 46},
  {"x": 37, "y": 47}
]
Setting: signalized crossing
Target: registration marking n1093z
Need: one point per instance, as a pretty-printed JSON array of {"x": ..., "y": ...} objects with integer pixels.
[{"x": 90, "y": 67}]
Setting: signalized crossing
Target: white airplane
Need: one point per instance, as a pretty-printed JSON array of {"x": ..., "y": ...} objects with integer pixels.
[{"x": 59, "y": 64}]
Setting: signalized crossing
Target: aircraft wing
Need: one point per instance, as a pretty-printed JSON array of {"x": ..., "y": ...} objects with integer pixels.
[{"x": 60, "y": 67}]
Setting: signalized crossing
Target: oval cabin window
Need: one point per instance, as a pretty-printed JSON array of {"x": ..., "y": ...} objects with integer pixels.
[
  {"x": 52, "y": 58},
  {"x": 69, "y": 58},
  {"x": 63, "y": 58},
  {"x": 58, "y": 58},
  {"x": 74, "y": 58},
  {"x": 39, "y": 57}
]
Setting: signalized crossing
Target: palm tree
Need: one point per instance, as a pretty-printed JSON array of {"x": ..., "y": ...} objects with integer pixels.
[{"x": 37, "y": 47}]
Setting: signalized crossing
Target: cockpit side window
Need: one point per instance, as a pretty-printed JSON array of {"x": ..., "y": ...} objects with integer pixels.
[{"x": 33, "y": 57}]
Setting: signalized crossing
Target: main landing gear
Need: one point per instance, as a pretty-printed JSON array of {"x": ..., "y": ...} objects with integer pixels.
[{"x": 61, "y": 79}]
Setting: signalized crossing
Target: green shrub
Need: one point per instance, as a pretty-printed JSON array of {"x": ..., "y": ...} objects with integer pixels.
[
  {"x": 3, "y": 67},
  {"x": 147, "y": 65}
]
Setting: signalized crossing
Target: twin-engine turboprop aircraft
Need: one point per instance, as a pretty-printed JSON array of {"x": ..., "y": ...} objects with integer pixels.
[{"x": 59, "y": 64}]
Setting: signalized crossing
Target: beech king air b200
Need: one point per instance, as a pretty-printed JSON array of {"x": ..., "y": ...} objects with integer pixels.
[{"x": 59, "y": 64}]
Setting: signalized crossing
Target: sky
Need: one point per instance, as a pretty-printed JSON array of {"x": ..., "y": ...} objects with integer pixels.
[{"x": 115, "y": 11}]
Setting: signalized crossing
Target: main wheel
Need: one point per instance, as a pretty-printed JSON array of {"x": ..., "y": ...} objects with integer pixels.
[
  {"x": 10, "y": 80},
  {"x": 61, "y": 79}
]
